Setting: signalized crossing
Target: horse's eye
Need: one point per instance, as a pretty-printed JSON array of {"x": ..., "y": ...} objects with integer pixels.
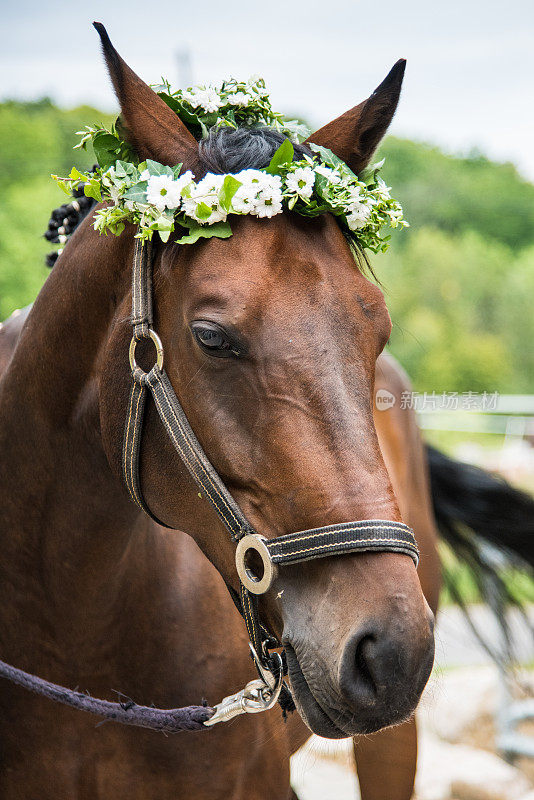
[{"x": 213, "y": 340}]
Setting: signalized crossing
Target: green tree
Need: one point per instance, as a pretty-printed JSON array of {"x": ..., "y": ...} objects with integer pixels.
[
  {"x": 460, "y": 194},
  {"x": 459, "y": 282}
]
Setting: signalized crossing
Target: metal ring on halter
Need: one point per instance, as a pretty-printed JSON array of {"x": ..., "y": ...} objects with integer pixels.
[
  {"x": 253, "y": 541},
  {"x": 157, "y": 344}
]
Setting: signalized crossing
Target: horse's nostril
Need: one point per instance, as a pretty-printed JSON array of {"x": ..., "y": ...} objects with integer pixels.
[
  {"x": 363, "y": 658},
  {"x": 357, "y": 679},
  {"x": 379, "y": 672}
]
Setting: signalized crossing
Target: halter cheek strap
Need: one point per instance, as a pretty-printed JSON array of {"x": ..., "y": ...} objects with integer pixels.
[{"x": 331, "y": 540}]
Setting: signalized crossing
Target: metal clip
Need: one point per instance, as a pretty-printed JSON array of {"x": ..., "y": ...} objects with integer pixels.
[
  {"x": 258, "y": 695},
  {"x": 269, "y": 678}
]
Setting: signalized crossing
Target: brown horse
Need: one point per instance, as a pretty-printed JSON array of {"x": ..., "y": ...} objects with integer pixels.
[{"x": 96, "y": 595}]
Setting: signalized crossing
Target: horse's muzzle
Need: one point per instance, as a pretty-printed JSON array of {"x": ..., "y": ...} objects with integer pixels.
[{"x": 380, "y": 678}]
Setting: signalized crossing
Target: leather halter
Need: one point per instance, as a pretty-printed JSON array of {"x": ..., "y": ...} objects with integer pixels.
[{"x": 346, "y": 537}]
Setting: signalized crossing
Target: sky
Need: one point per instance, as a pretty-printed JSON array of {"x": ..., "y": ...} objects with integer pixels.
[{"x": 468, "y": 84}]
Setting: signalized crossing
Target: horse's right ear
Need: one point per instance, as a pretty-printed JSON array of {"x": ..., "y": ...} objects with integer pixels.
[
  {"x": 355, "y": 135},
  {"x": 150, "y": 126}
]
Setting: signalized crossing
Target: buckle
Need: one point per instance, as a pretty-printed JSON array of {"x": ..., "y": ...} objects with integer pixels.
[{"x": 157, "y": 344}]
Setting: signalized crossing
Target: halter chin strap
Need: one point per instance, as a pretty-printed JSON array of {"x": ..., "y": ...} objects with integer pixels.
[{"x": 347, "y": 537}]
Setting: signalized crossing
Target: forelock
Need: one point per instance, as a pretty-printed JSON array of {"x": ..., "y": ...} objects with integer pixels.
[{"x": 231, "y": 150}]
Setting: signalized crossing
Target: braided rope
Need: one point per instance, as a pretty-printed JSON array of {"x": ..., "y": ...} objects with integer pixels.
[{"x": 171, "y": 720}]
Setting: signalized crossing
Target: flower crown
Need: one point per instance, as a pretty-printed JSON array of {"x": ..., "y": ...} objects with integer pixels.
[{"x": 159, "y": 198}]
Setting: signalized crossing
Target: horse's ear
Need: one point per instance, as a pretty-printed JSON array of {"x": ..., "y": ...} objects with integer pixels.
[
  {"x": 355, "y": 135},
  {"x": 150, "y": 126}
]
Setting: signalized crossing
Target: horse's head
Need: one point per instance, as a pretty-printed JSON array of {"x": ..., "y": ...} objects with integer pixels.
[{"x": 271, "y": 339}]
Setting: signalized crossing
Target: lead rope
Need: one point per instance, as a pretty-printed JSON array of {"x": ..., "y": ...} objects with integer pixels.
[{"x": 172, "y": 720}]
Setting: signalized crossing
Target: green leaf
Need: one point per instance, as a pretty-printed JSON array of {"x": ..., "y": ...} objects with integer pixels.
[
  {"x": 227, "y": 191},
  {"x": 124, "y": 168},
  {"x": 180, "y": 110},
  {"x": 92, "y": 189},
  {"x": 284, "y": 155},
  {"x": 63, "y": 184},
  {"x": 107, "y": 147},
  {"x": 155, "y": 168},
  {"x": 221, "y": 230},
  {"x": 86, "y": 135},
  {"x": 203, "y": 211},
  {"x": 76, "y": 175},
  {"x": 164, "y": 225},
  {"x": 369, "y": 174},
  {"x": 321, "y": 184},
  {"x": 229, "y": 117},
  {"x": 330, "y": 159},
  {"x": 137, "y": 193}
]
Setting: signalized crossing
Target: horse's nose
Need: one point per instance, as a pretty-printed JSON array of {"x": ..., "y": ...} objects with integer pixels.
[{"x": 383, "y": 671}]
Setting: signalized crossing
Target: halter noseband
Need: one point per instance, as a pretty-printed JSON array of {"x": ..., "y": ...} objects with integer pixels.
[{"x": 347, "y": 537}]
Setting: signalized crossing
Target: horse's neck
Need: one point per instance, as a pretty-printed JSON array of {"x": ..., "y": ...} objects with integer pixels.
[{"x": 66, "y": 519}]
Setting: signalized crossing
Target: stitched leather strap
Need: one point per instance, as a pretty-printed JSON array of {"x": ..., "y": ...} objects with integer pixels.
[
  {"x": 348, "y": 537},
  {"x": 142, "y": 314},
  {"x": 170, "y": 411},
  {"x": 132, "y": 442},
  {"x": 190, "y": 451}
]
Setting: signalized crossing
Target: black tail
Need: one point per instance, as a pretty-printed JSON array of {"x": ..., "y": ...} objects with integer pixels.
[{"x": 489, "y": 526}]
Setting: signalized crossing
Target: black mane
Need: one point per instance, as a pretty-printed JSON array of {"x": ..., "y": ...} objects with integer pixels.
[{"x": 231, "y": 150}]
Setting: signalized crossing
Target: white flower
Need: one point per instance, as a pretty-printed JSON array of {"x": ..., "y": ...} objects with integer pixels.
[
  {"x": 191, "y": 97},
  {"x": 383, "y": 190},
  {"x": 358, "y": 217},
  {"x": 145, "y": 175},
  {"x": 243, "y": 200},
  {"x": 207, "y": 192},
  {"x": 208, "y": 99},
  {"x": 328, "y": 173},
  {"x": 268, "y": 206},
  {"x": 164, "y": 192},
  {"x": 115, "y": 193},
  {"x": 252, "y": 176},
  {"x": 301, "y": 181},
  {"x": 184, "y": 180},
  {"x": 355, "y": 199},
  {"x": 269, "y": 201},
  {"x": 260, "y": 194},
  {"x": 394, "y": 213},
  {"x": 238, "y": 99}
]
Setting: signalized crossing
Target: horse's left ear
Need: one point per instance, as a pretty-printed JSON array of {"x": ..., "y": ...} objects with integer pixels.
[
  {"x": 150, "y": 126},
  {"x": 355, "y": 135}
]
